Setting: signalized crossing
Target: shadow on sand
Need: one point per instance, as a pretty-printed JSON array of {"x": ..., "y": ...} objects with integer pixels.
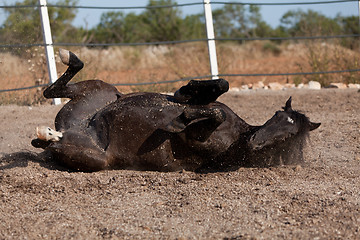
[{"x": 22, "y": 159}]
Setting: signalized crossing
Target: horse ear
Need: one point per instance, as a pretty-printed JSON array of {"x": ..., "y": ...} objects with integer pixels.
[
  {"x": 313, "y": 126},
  {"x": 288, "y": 105}
]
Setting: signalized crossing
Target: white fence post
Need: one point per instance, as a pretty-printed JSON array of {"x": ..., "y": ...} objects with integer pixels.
[
  {"x": 359, "y": 11},
  {"x": 211, "y": 42},
  {"x": 49, "y": 49}
]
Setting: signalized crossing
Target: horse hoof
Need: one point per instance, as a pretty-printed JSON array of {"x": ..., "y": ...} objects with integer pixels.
[
  {"x": 48, "y": 134},
  {"x": 64, "y": 56}
]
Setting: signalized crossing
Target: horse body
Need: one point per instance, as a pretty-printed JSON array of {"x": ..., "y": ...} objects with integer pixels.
[
  {"x": 132, "y": 133},
  {"x": 103, "y": 129}
]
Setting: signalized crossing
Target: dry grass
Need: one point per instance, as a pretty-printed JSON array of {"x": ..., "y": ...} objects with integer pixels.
[
  {"x": 159, "y": 63},
  {"x": 321, "y": 56}
]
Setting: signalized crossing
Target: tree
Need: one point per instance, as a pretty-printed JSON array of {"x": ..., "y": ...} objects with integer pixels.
[
  {"x": 240, "y": 21},
  {"x": 350, "y": 25},
  {"x": 310, "y": 23},
  {"x": 193, "y": 27},
  {"x": 224, "y": 22},
  {"x": 23, "y": 24},
  {"x": 154, "y": 24},
  {"x": 162, "y": 24},
  {"x": 118, "y": 27}
]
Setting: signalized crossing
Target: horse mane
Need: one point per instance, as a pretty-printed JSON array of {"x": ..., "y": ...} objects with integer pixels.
[{"x": 304, "y": 121}]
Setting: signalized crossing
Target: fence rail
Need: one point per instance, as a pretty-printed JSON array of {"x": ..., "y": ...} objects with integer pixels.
[
  {"x": 204, "y": 77},
  {"x": 177, "y": 41},
  {"x": 183, "y": 5},
  {"x": 184, "y": 41}
]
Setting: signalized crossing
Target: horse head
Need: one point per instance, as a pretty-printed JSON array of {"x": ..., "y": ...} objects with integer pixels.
[{"x": 281, "y": 127}]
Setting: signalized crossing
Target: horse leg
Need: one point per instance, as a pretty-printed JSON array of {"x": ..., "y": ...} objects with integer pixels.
[
  {"x": 48, "y": 134},
  {"x": 59, "y": 88},
  {"x": 198, "y": 124},
  {"x": 79, "y": 158},
  {"x": 45, "y": 136},
  {"x": 201, "y": 92},
  {"x": 79, "y": 152},
  {"x": 87, "y": 97},
  {"x": 38, "y": 143}
]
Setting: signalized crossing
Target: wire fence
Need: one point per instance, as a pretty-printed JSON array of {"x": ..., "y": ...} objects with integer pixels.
[
  {"x": 183, "y": 5},
  {"x": 240, "y": 39},
  {"x": 203, "y": 77},
  {"x": 28, "y": 45}
]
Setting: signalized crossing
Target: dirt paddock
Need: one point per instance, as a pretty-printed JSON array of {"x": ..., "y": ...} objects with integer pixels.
[{"x": 319, "y": 200}]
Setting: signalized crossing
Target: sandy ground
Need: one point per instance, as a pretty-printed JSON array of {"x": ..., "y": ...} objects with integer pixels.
[{"x": 319, "y": 200}]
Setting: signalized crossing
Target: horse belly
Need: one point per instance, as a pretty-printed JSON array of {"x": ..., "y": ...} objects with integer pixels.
[{"x": 137, "y": 141}]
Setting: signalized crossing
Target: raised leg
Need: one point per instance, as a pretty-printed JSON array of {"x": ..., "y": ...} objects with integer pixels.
[
  {"x": 87, "y": 97},
  {"x": 201, "y": 92},
  {"x": 198, "y": 124},
  {"x": 59, "y": 89}
]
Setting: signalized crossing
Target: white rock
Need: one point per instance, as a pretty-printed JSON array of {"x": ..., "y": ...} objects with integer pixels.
[
  {"x": 289, "y": 85},
  {"x": 275, "y": 86},
  {"x": 314, "y": 85},
  {"x": 354, "y": 85},
  {"x": 301, "y": 85},
  {"x": 244, "y": 87},
  {"x": 338, "y": 85},
  {"x": 168, "y": 93},
  {"x": 234, "y": 89},
  {"x": 258, "y": 85}
]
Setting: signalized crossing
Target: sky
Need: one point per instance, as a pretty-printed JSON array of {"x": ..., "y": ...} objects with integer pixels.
[{"x": 89, "y": 18}]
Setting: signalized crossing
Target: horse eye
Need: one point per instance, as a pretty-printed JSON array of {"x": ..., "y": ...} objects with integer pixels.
[
  {"x": 290, "y": 120},
  {"x": 50, "y": 134}
]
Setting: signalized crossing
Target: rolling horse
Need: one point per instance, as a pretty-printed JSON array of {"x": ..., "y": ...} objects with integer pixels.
[{"x": 101, "y": 128}]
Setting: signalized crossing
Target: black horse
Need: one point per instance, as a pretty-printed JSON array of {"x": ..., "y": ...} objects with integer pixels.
[{"x": 100, "y": 128}]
